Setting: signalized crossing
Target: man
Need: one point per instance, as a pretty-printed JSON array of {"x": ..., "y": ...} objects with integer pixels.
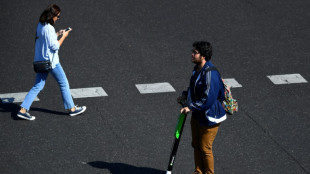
[{"x": 204, "y": 98}]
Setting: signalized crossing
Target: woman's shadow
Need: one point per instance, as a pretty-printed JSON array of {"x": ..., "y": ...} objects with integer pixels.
[
  {"x": 14, "y": 108},
  {"x": 121, "y": 168}
]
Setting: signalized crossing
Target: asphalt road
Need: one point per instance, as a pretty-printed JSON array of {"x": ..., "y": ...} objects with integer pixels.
[{"x": 118, "y": 44}]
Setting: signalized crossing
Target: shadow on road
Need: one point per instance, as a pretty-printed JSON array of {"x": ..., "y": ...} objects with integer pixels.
[
  {"x": 14, "y": 108},
  {"x": 120, "y": 168}
]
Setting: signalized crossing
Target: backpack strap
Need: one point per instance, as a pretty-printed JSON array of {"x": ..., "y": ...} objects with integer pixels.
[
  {"x": 35, "y": 39},
  {"x": 213, "y": 68}
]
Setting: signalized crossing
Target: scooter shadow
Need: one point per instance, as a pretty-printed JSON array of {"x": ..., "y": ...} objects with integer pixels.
[{"x": 121, "y": 168}]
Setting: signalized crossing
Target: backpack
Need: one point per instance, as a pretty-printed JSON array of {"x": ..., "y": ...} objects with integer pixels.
[{"x": 229, "y": 103}]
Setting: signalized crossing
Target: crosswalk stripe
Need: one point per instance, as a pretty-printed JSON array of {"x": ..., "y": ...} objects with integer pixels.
[
  {"x": 287, "y": 79},
  {"x": 149, "y": 88},
  {"x": 155, "y": 88},
  {"x": 88, "y": 92},
  {"x": 14, "y": 97},
  {"x": 232, "y": 83}
]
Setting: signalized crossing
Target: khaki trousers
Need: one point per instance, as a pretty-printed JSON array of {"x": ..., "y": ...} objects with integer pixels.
[{"x": 202, "y": 140}]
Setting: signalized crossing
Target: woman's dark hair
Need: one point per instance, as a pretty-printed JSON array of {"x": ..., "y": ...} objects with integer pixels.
[
  {"x": 48, "y": 14},
  {"x": 204, "y": 48}
]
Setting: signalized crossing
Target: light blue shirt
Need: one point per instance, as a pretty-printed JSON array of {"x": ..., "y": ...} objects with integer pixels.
[{"x": 47, "y": 45}]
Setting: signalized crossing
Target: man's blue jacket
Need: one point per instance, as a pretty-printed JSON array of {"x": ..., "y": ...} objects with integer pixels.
[{"x": 205, "y": 96}]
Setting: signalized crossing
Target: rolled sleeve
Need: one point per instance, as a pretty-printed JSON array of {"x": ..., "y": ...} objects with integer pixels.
[{"x": 51, "y": 39}]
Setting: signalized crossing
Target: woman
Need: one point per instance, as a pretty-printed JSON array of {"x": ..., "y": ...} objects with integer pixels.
[{"x": 46, "y": 48}]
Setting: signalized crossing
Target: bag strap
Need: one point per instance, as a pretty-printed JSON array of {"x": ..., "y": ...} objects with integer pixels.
[
  {"x": 213, "y": 68},
  {"x": 35, "y": 40}
]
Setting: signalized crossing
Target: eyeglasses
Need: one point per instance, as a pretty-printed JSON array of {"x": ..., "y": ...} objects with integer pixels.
[{"x": 195, "y": 52}]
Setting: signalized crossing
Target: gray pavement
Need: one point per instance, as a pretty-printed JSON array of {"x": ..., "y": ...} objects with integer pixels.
[{"x": 118, "y": 44}]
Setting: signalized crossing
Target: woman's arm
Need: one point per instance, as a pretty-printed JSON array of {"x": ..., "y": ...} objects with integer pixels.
[{"x": 64, "y": 36}]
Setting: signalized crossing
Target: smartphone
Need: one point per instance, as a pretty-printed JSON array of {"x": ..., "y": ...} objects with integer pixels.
[{"x": 69, "y": 28}]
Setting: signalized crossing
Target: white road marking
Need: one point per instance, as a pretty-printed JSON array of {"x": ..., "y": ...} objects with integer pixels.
[
  {"x": 149, "y": 88},
  {"x": 232, "y": 83},
  {"x": 155, "y": 88},
  {"x": 15, "y": 97},
  {"x": 88, "y": 92},
  {"x": 287, "y": 79}
]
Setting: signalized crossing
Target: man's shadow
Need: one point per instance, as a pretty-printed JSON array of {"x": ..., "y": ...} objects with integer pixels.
[
  {"x": 13, "y": 108},
  {"x": 121, "y": 168}
]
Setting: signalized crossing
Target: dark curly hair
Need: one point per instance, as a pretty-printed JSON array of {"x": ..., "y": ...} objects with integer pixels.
[
  {"x": 204, "y": 48},
  {"x": 48, "y": 14}
]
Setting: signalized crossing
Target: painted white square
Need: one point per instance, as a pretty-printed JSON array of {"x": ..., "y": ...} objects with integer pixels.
[
  {"x": 88, "y": 92},
  {"x": 232, "y": 83},
  {"x": 15, "y": 97},
  {"x": 287, "y": 79},
  {"x": 155, "y": 88}
]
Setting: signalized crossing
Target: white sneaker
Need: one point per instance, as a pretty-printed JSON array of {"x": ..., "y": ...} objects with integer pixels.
[
  {"x": 25, "y": 116},
  {"x": 78, "y": 110}
]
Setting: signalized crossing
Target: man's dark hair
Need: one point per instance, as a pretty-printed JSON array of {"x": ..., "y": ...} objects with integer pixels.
[
  {"x": 48, "y": 14},
  {"x": 204, "y": 48}
]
